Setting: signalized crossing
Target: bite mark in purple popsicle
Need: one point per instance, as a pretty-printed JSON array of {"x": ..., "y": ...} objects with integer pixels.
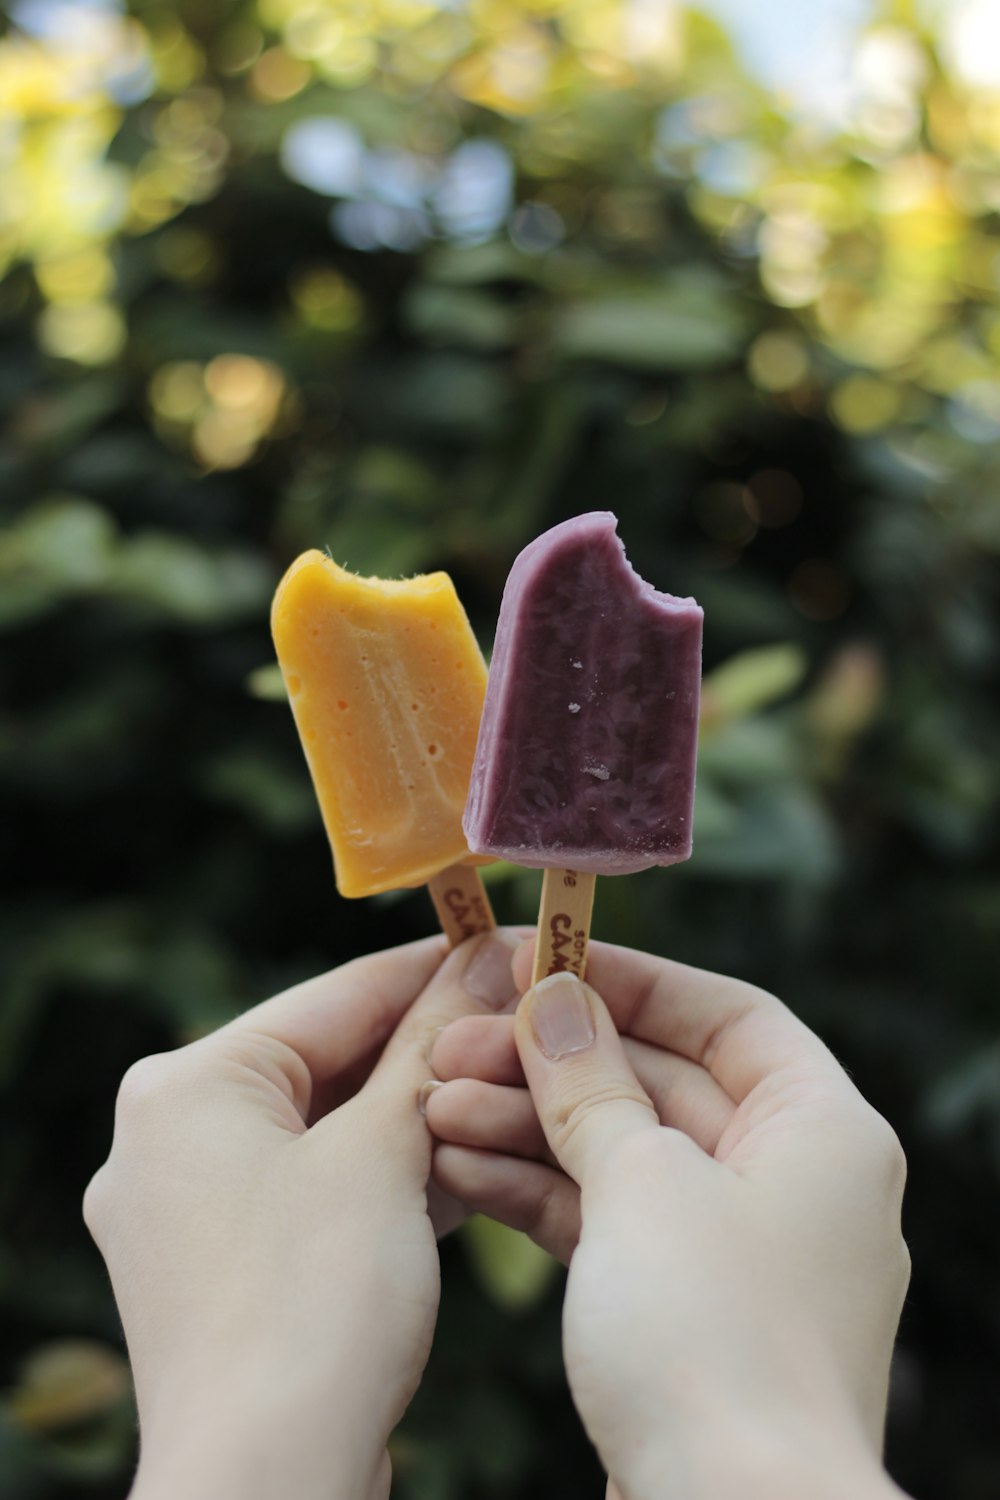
[{"x": 586, "y": 752}]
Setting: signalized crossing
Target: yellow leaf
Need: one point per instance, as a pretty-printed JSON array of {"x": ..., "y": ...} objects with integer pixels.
[{"x": 67, "y": 1382}]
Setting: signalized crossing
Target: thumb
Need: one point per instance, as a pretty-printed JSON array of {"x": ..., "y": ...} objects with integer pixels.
[
  {"x": 475, "y": 979},
  {"x": 585, "y": 1092}
]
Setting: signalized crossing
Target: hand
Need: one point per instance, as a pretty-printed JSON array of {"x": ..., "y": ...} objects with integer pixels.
[
  {"x": 263, "y": 1214},
  {"x": 492, "y": 1152},
  {"x": 732, "y": 1304}
]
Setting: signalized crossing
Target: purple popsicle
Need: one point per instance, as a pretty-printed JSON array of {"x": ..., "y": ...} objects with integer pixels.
[{"x": 586, "y": 752}]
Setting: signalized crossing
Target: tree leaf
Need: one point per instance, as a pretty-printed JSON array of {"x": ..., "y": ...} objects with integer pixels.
[
  {"x": 67, "y": 1382},
  {"x": 750, "y": 681},
  {"x": 512, "y": 1268},
  {"x": 658, "y": 327}
]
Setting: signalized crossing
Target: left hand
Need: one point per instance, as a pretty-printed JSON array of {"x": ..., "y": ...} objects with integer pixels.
[{"x": 264, "y": 1217}]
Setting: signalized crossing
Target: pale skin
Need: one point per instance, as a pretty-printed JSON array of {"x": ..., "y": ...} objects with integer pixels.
[
  {"x": 729, "y": 1206},
  {"x": 270, "y": 1232},
  {"x": 266, "y": 1220}
]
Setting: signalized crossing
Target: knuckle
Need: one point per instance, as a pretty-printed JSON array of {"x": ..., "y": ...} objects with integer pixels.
[
  {"x": 143, "y": 1086},
  {"x": 897, "y": 1168},
  {"x": 553, "y": 1221},
  {"x": 889, "y": 1154},
  {"x": 237, "y": 1053},
  {"x": 896, "y": 1157},
  {"x": 584, "y": 1100},
  {"x": 904, "y": 1266},
  {"x": 873, "y": 1142},
  {"x": 541, "y": 1211},
  {"x": 95, "y": 1200},
  {"x": 234, "y": 1050},
  {"x": 736, "y": 1000}
]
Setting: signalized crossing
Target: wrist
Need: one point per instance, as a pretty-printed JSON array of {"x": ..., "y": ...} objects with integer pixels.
[
  {"x": 746, "y": 1462},
  {"x": 241, "y": 1470},
  {"x": 229, "y": 1447}
]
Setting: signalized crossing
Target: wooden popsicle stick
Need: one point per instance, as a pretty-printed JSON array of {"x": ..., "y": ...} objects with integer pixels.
[
  {"x": 564, "y": 923},
  {"x": 461, "y": 903}
]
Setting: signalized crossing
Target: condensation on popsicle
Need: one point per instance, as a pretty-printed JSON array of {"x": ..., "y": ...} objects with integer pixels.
[
  {"x": 586, "y": 752},
  {"x": 386, "y": 682}
]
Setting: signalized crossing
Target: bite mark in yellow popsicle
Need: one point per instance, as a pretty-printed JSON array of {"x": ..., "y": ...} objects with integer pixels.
[{"x": 386, "y": 682}]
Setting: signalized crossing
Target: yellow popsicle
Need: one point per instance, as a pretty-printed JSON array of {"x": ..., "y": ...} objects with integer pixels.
[{"x": 386, "y": 682}]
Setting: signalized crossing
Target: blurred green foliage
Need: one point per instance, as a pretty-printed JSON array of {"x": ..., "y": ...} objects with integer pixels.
[{"x": 414, "y": 282}]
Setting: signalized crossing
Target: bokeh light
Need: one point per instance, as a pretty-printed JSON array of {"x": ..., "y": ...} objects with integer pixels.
[
  {"x": 222, "y": 410},
  {"x": 414, "y": 279}
]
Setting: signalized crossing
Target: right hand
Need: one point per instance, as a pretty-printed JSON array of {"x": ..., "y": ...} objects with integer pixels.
[{"x": 733, "y": 1300}]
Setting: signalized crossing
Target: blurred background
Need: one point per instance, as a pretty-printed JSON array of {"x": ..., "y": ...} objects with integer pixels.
[{"x": 413, "y": 280}]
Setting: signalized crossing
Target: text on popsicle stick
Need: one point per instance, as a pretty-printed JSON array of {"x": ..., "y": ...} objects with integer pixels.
[
  {"x": 564, "y": 924},
  {"x": 461, "y": 903}
]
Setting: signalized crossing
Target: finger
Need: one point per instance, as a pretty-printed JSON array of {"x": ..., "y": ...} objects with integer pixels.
[
  {"x": 483, "y": 1048},
  {"x": 683, "y": 1094},
  {"x": 538, "y": 1200},
  {"x": 738, "y": 1033},
  {"x": 468, "y": 1113},
  {"x": 480, "y": 1047},
  {"x": 474, "y": 980},
  {"x": 587, "y": 1096},
  {"x": 524, "y": 961},
  {"x": 334, "y": 1020},
  {"x": 444, "y": 1211},
  {"x": 303, "y": 1040}
]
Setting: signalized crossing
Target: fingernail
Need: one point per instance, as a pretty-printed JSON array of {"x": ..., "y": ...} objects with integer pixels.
[
  {"x": 488, "y": 977},
  {"x": 431, "y": 1042},
  {"x": 561, "y": 1017},
  {"x": 425, "y": 1093}
]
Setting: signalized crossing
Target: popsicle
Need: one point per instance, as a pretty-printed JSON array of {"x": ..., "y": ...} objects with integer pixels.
[
  {"x": 386, "y": 683},
  {"x": 585, "y": 762}
]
